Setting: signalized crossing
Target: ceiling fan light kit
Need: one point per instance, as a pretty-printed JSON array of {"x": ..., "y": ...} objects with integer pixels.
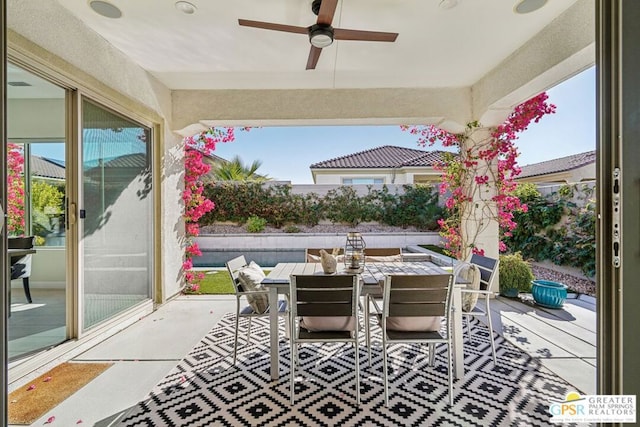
[{"x": 321, "y": 35}]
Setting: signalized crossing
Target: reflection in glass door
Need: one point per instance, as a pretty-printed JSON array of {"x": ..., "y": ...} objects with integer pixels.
[
  {"x": 116, "y": 214},
  {"x": 36, "y": 184}
]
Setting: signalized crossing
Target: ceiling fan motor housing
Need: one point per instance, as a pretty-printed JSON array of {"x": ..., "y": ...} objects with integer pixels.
[{"x": 315, "y": 6}]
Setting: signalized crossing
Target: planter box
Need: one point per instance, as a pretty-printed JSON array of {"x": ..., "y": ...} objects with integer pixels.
[{"x": 548, "y": 294}]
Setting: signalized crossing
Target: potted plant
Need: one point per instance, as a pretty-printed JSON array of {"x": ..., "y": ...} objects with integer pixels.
[
  {"x": 515, "y": 275},
  {"x": 548, "y": 294}
]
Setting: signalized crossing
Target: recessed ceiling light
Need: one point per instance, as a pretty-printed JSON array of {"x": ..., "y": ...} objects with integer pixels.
[
  {"x": 105, "y": 9},
  {"x": 448, "y": 4},
  {"x": 528, "y": 6},
  {"x": 186, "y": 7}
]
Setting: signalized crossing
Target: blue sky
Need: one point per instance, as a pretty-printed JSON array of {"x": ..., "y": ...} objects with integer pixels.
[{"x": 287, "y": 152}]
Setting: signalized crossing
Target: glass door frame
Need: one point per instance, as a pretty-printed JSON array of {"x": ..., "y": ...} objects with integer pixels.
[
  {"x": 76, "y": 205},
  {"x": 68, "y": 140}
]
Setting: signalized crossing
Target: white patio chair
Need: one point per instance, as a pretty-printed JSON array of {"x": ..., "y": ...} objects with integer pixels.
[
  {"x": 488, "y": 267},
  {"x": 256, "y": 296}
]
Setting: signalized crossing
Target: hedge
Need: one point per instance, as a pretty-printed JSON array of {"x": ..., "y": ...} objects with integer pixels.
[{"x": 416, "y": 206}]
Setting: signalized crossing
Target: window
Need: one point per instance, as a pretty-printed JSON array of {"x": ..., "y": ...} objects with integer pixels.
[
  {"x": 36, "y": 204},
  {"x": 354, "y": 181}
]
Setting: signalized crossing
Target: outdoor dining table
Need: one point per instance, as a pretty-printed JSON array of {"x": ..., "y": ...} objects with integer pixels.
[{"x": 373, "y": 274}]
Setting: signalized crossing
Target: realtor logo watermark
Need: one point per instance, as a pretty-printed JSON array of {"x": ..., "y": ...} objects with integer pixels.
[{"x": 594, "y": 409}]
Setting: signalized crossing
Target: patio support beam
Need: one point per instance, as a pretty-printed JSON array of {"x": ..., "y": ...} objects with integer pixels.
[{"x": 194, "y": 110}]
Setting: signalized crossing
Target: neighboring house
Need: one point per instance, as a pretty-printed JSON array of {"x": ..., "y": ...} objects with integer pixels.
[
  {"x": 382, "y": 165},
  {"x": 575, "y": 168},
  {"x": 47, "y": 169}
]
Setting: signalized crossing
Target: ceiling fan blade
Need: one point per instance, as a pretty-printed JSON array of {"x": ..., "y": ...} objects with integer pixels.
[
  {"x": 314, "y": 55},
  {"x": 327, "y": 10},
  {"x": 272, "y": 26},
  {"x": 371, "y": 36}
]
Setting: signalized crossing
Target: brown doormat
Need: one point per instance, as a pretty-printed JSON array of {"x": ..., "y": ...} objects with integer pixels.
[{"x": 34, "y": 399}]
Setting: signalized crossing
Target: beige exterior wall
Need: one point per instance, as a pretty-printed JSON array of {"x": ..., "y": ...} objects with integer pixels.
[
  {"x": 583, "y": 173},
  {"x": 390, "y": 176}
]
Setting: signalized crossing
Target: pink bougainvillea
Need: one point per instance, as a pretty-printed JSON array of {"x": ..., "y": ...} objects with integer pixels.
[
  {"x": 195, "y": 202},
  {"x": 15, "y": 190},
  {"x": 467, "y": 176}
]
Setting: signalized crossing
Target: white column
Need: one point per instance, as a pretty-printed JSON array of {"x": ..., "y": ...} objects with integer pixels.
[{"x": 479, "y": 222}]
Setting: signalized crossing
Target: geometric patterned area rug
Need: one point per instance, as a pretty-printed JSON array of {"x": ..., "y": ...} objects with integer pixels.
[{"x": 206, "y": 390}]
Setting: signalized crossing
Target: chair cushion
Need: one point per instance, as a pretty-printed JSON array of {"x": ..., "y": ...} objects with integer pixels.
[
  {"x": 471, "y": 274},
  {"x": 414, "y": 323},
  {"x": 250, "y": 278},
  {"x": 328, "y": 323}
]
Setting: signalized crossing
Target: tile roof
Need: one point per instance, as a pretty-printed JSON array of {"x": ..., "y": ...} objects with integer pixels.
[
  {"x": 386, "y": 156},
  {"x": 46, "y": 168},
  {"x": 558, "y": 165}
]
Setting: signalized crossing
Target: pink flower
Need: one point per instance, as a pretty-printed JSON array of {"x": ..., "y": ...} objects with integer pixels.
[
  {"x": 481, "y": 179},
  {"x": 472, "y": 164},
  {"x": 193, "y": 250}
]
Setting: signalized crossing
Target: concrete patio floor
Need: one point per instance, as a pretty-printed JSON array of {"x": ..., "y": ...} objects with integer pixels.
[{"x": 563, "y": 340}]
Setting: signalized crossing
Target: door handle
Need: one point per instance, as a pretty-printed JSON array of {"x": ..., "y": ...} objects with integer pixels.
[{"x": 72, "y": 214}]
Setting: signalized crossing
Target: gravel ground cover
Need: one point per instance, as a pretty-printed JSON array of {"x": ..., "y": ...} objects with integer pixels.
[{"x": 576, "y": 284}]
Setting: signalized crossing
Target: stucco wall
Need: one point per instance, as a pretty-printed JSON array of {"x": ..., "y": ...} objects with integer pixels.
[
  {"x": 396, "y": 176},
  {"x": 583, "y": 173}
]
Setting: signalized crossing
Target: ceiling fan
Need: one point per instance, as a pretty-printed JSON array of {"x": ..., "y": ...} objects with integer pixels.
[{"x": 322, "y": 34}]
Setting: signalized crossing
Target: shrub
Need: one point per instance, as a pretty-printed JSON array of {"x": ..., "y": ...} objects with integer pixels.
[
  {"x": 256, "y": 224},
  {"x": 344, "y": 206},
  {"x": 555, "y": 227},
  {"x": 417, "y": 206},
  {"x": 291, "y": 229},
  {"x": 514, "y": 273}
]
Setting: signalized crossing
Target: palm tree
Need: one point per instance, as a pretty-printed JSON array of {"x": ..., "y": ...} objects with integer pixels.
[{"x": 236, "y": 170}]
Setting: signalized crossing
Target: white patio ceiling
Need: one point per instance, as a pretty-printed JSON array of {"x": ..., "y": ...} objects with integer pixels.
[{"x": 208, "y": 50}]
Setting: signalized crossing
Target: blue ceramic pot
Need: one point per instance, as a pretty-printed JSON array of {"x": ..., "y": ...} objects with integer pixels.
[{"x": 548, "y": 294}]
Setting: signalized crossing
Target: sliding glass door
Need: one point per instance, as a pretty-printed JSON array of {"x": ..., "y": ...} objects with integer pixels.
[
  {"x": 116, "y": 214},
  {"x": 37, "y": 189}
]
